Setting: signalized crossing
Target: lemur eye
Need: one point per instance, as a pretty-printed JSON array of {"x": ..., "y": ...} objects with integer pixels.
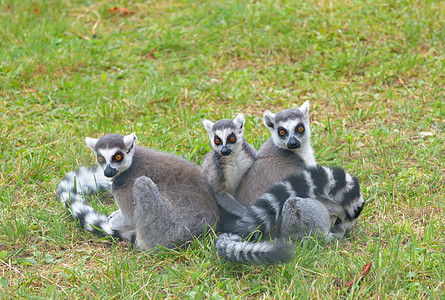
[
  {"x": 217, "y": 141},
  {"x": 300, "y": 128},
  {"x": 281, "y": 132},
  {"x": 231, "y": 139},
  {"x": 100, "y": 159},
  {"x": 118, "y": 156}
]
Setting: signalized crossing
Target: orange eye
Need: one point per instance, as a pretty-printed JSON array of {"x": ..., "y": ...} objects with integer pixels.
[
  {"x": 100, "y": 159},
  {"x": 300, "y": 129},
  {"x": 217, "y": 141},
  {"x": 232, "y": 139},
  {"x": 118, "y": 157},
  {"x": 281, "y": 132}
]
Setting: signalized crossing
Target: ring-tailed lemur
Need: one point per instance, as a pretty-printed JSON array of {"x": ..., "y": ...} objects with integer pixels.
[
  {"x": 162, "y": 199},
  {"x": 318, "y": 200},
  {"x": 231, "y": 157},
  {"x": 288, "y": 151}
]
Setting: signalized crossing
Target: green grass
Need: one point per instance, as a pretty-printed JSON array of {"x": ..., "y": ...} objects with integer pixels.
[{"x": 373, "y": 71}]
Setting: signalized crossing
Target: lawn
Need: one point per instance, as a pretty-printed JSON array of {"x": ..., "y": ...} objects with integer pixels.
[{"x": 374, "y": 72}]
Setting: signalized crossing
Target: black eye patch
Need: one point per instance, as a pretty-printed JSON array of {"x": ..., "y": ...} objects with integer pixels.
[
  {"x": 282, "y": 132},
  {"x": 217, "y": 141},
  {"x": 300, "y": 128},
  {"x": 231, "y": 139},
  {"x": 119, "y": 156}
]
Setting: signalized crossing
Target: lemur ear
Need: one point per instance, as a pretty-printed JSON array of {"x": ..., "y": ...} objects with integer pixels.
[
  {"x": 239, "y": 122},
  {"x": 269, "y": 119},
  {"x": 304, "y": 108},
  {"x": 208, "y": 125},
  {"x": 91, "y": 143},
  {"x": 129, "y": 140}
]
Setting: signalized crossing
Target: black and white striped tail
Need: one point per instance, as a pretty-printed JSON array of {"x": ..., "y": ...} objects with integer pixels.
[
  {"x": 316, "y": 182},
  {"x": 80, "y": 183},
  {"x": 264, "y": 216},
  {"x": 72, "y": 191},
  {"x": 232, "y": 248}
]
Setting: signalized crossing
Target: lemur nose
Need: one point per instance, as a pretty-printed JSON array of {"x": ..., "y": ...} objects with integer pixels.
[
  {"x": 293, "y": 143},
  {"x": 225, "y": 151},
  {"x": 110, "y": 172}
]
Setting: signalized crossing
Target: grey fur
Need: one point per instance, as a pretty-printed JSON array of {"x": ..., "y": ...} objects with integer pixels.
[
  {"x": 312, "y": 202},
  {"x": 275, "y": 161},
  {"x": 225, "y": 172},
  {"x": 162, "y": 199}
]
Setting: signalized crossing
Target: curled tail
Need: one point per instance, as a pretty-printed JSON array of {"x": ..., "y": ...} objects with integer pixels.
[
  {"x": 336, "y": 190},
  {"x": 72, "y": 191},
  {"x": 232, "y": 248},
  {"x": 80, "y": 183}
]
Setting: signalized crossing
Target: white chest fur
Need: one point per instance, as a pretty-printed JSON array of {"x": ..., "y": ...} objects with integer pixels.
[
  {"x": 307, "y": 154},
  {"x": 235, "y": 167}
]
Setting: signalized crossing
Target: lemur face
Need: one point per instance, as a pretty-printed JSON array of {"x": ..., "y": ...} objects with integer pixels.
[
  {"x": 226, "y": 135},
  {"x": 290, "y": 128},
  {"x": 114, "y": 152}
]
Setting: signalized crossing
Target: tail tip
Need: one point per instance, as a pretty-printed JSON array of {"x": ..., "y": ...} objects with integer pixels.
[{"x": 231, "y": 248}]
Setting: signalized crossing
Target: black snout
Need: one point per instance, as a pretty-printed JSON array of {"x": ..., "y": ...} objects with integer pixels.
[
  {"x": 110, "y": 172},
  {"x": 293, "y": 143},
  {"x": 225, "y": 151}
]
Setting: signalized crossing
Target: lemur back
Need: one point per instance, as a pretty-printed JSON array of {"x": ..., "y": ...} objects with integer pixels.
[
  {"x": 288, "y": 151},
  {"x": 162, "y": 199},
  {"x": 231, "y": 157}
]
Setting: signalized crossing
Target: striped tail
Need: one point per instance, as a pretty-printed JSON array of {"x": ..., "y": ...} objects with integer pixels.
[
  {"x": 80, "y": 183},
  {"x": 337, "y": 190},
  {"x": 332, "y": 186},
  {"x": 72, "y": 191},
  {"x": 232, "y": 248}
]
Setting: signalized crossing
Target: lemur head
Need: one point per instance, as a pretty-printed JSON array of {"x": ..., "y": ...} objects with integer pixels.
[
  {"x": 226, "y": 135},
  {"x": 289, "y": 128},
  {"x": 114, "y": 152}
]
